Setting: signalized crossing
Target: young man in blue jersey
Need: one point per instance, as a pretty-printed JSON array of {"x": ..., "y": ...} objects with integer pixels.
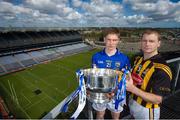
[{"x": 110, "y": 57}]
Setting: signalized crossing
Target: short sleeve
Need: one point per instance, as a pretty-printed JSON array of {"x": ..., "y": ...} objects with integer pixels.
[
  {"x": 93, "y": 61},
  {"x": 161, "y": 83}
]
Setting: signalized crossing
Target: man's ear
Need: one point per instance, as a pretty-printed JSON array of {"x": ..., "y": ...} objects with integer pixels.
[
  {"x": 119, "y": 41},
  {"x": 159, "y": 44},
  {"x": 104, "y": 39}
]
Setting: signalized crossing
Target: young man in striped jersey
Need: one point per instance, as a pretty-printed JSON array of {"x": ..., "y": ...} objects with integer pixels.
[{"x": 150, "y": 79}]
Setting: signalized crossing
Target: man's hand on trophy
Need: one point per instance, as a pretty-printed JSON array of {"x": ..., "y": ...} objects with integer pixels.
[
  {"x": 129, "y": 83},
  {"x": 87, "y": 93},
  {"x": 110, "y": 95}
]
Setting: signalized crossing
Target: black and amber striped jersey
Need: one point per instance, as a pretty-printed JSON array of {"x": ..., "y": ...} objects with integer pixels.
[{"x": 156, "y": 77}]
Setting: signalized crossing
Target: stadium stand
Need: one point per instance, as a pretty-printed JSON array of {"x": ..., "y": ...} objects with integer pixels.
[
  {"x": 21, "y": 49},
  {"x": 16, "y": 40},
  {"x": 38, "y": 56},
  {"x": 73, "y": 48},
  {"x": 25, "y": 59},
  {"x": 10, "y": 63},
  {"x": 1, "y": 71},
  {"x": 19, "y": 61},
  {"x": 49, "y": 53}
]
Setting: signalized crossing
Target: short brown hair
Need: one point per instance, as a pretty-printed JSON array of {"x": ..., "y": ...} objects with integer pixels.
[
  {"x": 111, "y": 31},
  {"x": 152, "y": 31}
]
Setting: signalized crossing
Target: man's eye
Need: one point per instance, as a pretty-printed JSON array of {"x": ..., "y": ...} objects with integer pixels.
[
  {"x": 151, "y": 41},
  {"x": 115, "y": 40}
]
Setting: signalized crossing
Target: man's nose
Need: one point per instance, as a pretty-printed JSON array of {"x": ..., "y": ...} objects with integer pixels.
[
  {"x": 147, "y": 42},
  {"x": 110, "y": 41}
]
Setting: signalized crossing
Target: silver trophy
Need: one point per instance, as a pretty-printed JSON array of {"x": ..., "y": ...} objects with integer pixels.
[{"x": 99, "y": 82}]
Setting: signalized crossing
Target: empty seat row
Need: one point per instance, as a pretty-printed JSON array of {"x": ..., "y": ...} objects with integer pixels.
[{"x": 22, "y": 60}]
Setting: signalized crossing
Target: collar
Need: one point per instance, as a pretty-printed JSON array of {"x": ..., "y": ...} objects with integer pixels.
[
  {"x": 156, "y": 57},
  {"x": 104, "y": 52}
]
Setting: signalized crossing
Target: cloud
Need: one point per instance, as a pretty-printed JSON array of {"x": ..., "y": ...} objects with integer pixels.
[
  {"x": 145, "y": 5},
  {"x": 73, "y": 15},
  {"x": 99, "y": 12},
  {"x": 19, "y": 15},
  {"x": 102, "y": 8},
  {"x": 44, "y": 6},
  {"x": 163, "y": 10},
  {"x": 65, "y": 13},
  {"x": 177, "y": 16},
  {"x": 9, "y": 11},
  {"x": 77, "y": 3},
  {"x": 7, "y": 7},
  {"x": 137, "y": 19},
  {"x": 54, "y": 7}
]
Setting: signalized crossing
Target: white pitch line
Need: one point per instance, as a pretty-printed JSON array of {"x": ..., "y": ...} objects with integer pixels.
[
  {"x": 43, "y": 92},
  {"x": 13, "y": 97},
  {"x": 35, "y": 103},
  {"x": 25, "y": 97},
  {"x": 19, "y": 105},
  {"x": 29, "y": 102},
  {"x": 35, "y": 76},
  {"x": 15, "y": 94}
]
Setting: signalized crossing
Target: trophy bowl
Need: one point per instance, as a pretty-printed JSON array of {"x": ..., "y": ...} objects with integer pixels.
[{"x": 99, "y": 82}]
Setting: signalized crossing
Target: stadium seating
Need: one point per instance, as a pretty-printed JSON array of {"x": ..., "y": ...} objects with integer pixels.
[
  {"x": 73, "y": 48},
  {"x": 10, "y": 63},
  {"x": 21, "y": 60},
  {"x": 21, "y": 49},
  {"x": 7, "y": 60},
  {"x": 13, "y": 67},
  {"x": 25, "y": 59},
  {"x": 49, "y": 53},
  {"x": 1, "y": 71},
  {"x": 13, "y": 40},
  {"x": 38, "y": 56}
]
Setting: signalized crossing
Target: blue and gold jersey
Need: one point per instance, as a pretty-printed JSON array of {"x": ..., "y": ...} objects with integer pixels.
[{"x": 116, "y": 61}]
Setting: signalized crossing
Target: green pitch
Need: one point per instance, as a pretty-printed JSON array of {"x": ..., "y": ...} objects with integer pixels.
[{"x": 33, "y": 92}]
